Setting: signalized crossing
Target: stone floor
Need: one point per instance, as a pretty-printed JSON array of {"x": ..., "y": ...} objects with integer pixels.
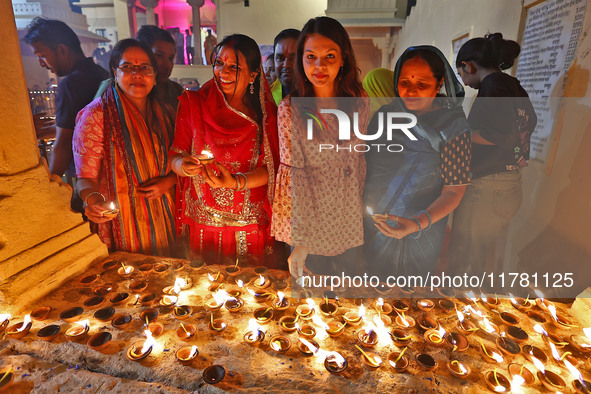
[{"x": 61, "y": 365}]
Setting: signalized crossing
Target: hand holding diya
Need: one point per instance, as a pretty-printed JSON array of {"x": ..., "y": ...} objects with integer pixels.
[
  {"x": 206, "y": 157},
  {"x": 112, "y": 211},
  {"x": 378, "y": 217}
]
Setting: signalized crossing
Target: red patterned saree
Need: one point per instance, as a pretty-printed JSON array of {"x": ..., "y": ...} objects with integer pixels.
[{"x": 224, "y": 223}]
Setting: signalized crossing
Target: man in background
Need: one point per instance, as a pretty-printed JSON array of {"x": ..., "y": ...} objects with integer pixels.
[
  {"x": 284, "y": 50},
  {"x": 58, "y": 49}
]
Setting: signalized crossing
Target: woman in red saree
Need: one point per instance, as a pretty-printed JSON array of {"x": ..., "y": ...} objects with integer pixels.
[
  {"x": 120, "y": 145},
  {"x": 224, "y": 207}
]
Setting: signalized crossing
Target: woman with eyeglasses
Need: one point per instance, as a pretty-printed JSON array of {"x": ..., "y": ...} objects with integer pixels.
[{"x": 120, "y": 145}]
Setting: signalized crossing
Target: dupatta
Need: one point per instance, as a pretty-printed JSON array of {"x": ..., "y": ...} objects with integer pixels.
[{"x": 137, "y": 151}]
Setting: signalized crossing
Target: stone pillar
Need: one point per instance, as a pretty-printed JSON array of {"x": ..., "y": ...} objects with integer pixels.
[
  {"x": 196, "y": 5},
  {"x": 150, "y": 5},
  {"x": 42, "y": 242},
  {"x": 121, "y": 10}
]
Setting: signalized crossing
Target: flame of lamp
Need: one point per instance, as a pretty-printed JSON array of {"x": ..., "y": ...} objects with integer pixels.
[{"x": 134, "y": 352}]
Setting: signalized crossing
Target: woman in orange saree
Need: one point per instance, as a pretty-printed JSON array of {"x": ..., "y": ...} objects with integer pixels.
[
  {"x": 224, "y": 207},
  {"x": 120, "y": 145}
]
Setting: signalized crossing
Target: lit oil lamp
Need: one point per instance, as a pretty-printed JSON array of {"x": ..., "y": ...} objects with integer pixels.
[
  {"x": 186, "y": 354},
  {"x": 458, "y": 369},
  {"x": 125, "y": 270},
  {"x": 182, "y": 312},
  {"x": 425, "y": 305},
  {"x": 457, "y": 341},
  {"x": 382, "y": 307},
  {"x": 497, "y": 382},
  {"x": 490, "y": 353},
  {"x": 335, "y": 363},
  {"x": 354, "y": 317},
  {"x": 308, "y": 348},
  {"x": 521, "y": 376},
  {"x": 233, "y": 304},
  {"x": 280, "y": 343},
  {"x": 280, "y": 303},
  {"x": 373, "y": 361},
  {"x": 566, "y": 356},
  {"x": 141, "y": 349},
  {"x": 179, "y": 284},
  {"x": 216, "y": 300},
  {"x": 306, "y": 331},
  {"x": 112, "y": 212},
  {"x": 206, "y": 157},
  {"x": 335, "y": 328},
  {"x": 216, "y": 277},
  {"x": 380, "y": 322},
  {"x": 377, "y": 217},
  {"x": 435, "y": 337},
  {"x": 155, "y": 328},
  {"x": 254, "y": 335},
  {"x": 490, "y": 301},
  {"x": 550, "y": 380},
  {"x": 559, "y": 321},
  {"x": 367, "y": 337},
  {"x": 263, "y": 315},
  {"x": 328, "y": 307},
  {"x": 168, "y": 300},
  {"x": 579, "y": 384},
  {"x": 519, "y": 303},
  {"x": 217, "y": 325},
  {"x": 531, "y": 352},
  {"x": 580, "y": 343},
  {"x": 466, "y": 327},
  {"x": 400, "y": 337},
  {"x": 288, "y": 323},
  {"x": 404, "y": 321},
  {"x": 541, "y": 302},
  {"x": 19, "y": 330},
  {"x": 487, "y": 328},
  {"x": 398, "y": 361},
  {"x": 261, "y": 282},
  {"x": 259, "y": 295},
  {"x": 186, "y": 331},
  {"x": 305, "y": 311},
  {"x": 320, "y": 323}
]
